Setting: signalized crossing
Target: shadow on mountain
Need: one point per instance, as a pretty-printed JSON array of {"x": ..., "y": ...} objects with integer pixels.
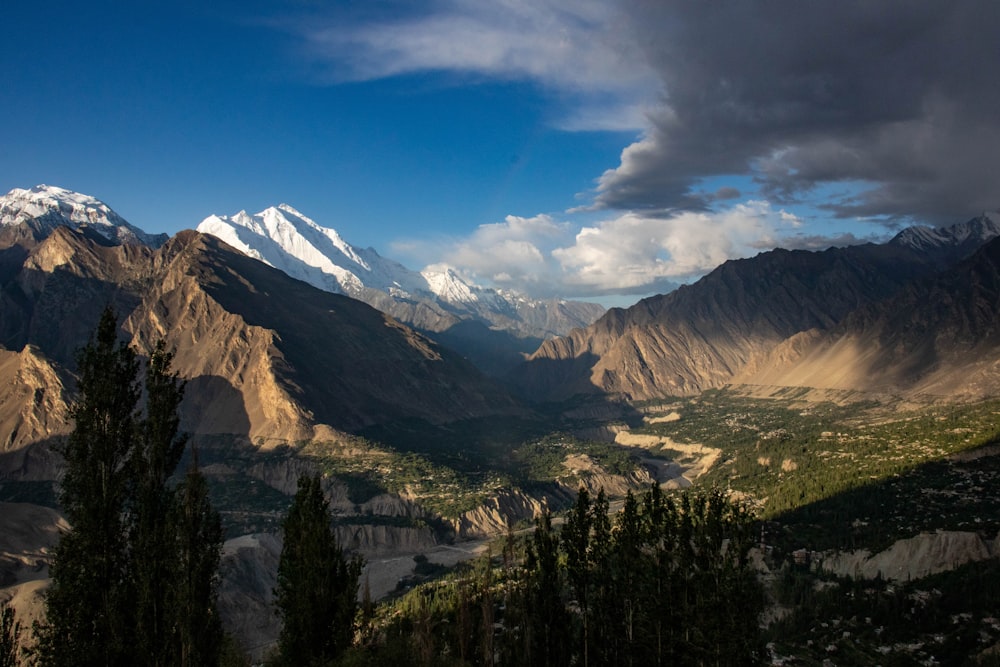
[
  {"x": 546, "y": 379},
  {"x": 212, "y": 405},
  {"x": 496, "y": 353},
  {"x": 57, "y": 311},
  {"x": 29, "y": 474},
  {"x": 340, "y": 359},
  {"x": 960, "y": 492}
]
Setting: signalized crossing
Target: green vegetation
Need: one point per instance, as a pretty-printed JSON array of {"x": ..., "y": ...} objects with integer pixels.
[
  {"x": 942, "y": 619},
  {"x": 826, "y": 456},
  {"x": 541, "y": 460},
  {"x": 317, "y": 587},
  {"x": 370, "y": 468},
  {"x": 655, "y": 586}
]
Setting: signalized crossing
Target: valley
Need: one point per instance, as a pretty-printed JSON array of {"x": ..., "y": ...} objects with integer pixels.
[{"x": 846, "y": 400}]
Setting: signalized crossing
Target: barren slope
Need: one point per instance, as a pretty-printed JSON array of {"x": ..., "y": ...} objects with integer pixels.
[
  {"x": 939, "y": 336},
  {"x": 702, "y": 335},
  {"x": 265, "y": 356}
]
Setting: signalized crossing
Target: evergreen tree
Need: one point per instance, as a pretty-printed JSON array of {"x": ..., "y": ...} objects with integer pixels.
[
  {"x": 154, "y": 562},
  {"x": 88, "y": 604},
  {"x": 10, "y": 637},
  {"x": 197, "y": 630},
  {"x": 317, "y": 586},
  {"x": 138, "y": 569},
  {"x": 547, "y": 621},
  {"x": 575, "y": 539}
]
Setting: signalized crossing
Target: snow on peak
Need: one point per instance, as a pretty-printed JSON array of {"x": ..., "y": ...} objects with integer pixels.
[
  {"x": 59, "y": 206},
  {"x": 288, "y": 240},
  {"x": 972, "y": 233},
  {"x": 294, "y": 243}
]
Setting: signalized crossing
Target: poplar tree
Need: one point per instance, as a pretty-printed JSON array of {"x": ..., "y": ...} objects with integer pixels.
[
  {"x": 153, "y": 548},
  {"x": 547, "y": 622},
  {"x": 198, "y": 534},
  {"x": 317, "y": 587},
  {"x": 122, "y": 577},
  {"x": 88, "y": 603}
]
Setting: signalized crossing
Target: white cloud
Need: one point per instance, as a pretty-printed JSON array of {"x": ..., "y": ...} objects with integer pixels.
[
  {"x": 635, "y": 252},
  {"x": 628, "y": 254},
  {"x": 577, "y": 48},
  {"x": 513, "y": 252}
]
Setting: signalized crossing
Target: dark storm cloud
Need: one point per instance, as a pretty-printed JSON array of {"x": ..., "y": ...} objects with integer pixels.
[{"x": 899, "y": 95}]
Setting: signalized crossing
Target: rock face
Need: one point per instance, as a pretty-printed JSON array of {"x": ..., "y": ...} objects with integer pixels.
[
  {"x": 938, "y": 336},
  {"x": 265, "y": 356},
  {"x": 32, "y": 399},
  {"x": 248, "y": 576},
  {"x": 496, "y": 514},
  {"x": 913, "y": 558},
  {"x": 733, "y": 322}
]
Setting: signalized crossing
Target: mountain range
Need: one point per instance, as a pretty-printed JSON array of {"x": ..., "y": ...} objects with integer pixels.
[
  {"x": 266, "y": 357},
  {"x": 494, "y": 328},
  {"x": 866, "y": 317},
  {"x": 272, "y": 324},
  {"x": 278, "y": 348}
]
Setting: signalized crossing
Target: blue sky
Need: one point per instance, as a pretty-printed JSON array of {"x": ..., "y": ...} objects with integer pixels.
[{"x": 581, "y": 149}]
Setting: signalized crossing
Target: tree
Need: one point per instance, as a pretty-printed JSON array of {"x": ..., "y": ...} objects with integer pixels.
[
  {"x": 122, "y": 577},
  {"x": 317, "y": 587},
  {"x": 88, "y": 602},
  {"x": 576, "y": 543},
  {"x": 10, "y": 637},
  {"x": 198, "y": 534},
  {"x": 546, "y": 618},
  {"x": 153, "y": 548}
]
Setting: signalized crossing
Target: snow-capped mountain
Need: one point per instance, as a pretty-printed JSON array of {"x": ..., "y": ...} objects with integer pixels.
[
  {"x": 288, "y": 240},
  {"x": 957, "y": 240},
  {"x": 52, "y": 206}
]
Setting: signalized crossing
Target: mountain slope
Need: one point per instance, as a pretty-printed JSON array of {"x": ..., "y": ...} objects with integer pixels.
[
  {"x": 936, "y": 336},
  {"x": 434, "y": 300},
  {"x": 265, "y": 356},
  {"x": 52, "y": 206},
  {"x": 729, "y": 322}
]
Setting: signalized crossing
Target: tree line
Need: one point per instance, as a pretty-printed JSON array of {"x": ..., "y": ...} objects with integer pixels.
[
  {"x": 135, "y": 581},
  {"x": 666, "y": 581}
]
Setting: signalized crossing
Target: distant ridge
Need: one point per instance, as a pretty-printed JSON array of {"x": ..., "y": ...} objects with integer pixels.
[
  {"x": 937, "y": 336},
  {"x": 434, "y": 300},
  {"x": 52, "y": 206},
  {"x": 735, "y": 324}
]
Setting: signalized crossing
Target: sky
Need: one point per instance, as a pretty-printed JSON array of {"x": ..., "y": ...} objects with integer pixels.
[{"x": 602, "y": 150}]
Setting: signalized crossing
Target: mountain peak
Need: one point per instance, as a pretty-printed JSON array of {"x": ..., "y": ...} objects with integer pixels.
[
  {"x": 54, "y": 206},
  {"x": 961, "y": 239},
  {"x": 431, "y": 299}
]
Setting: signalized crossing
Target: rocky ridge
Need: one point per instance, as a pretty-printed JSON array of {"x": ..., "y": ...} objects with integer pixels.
[
  {"x": 435, "y": 299},
  {"x": 732, "y": 322},
  {"x": 265, "y": 357}
]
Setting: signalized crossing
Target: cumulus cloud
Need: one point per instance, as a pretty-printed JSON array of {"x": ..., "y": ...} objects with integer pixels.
[
  {"x": 627, "y": 254},
  {"x": 898, "y": 95}
]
